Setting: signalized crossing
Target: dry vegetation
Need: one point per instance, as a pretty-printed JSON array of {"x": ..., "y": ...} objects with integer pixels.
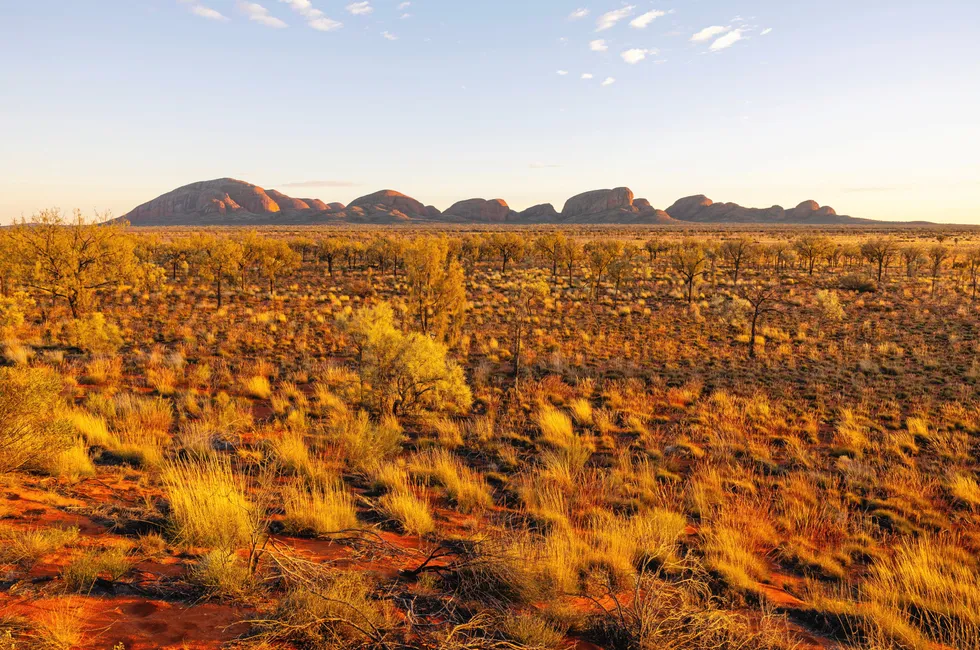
[{"x": 616, "y": 438}]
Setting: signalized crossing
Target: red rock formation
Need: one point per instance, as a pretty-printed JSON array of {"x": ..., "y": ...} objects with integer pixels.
[
  {"x": 598, "y": 202},
  {"x": 287, "y": 202},
  {"x": 389, "y": 201},
  {"x": 480, "y": 210}
]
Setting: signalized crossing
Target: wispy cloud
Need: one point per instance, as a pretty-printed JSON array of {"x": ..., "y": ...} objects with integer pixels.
[
  {"x": 641, "y": 22},
  {"x": 326, "y": 183},
  {"x": 403, "y": 6},
  {"x": 709, "y": 33},
  {"x": 636, "y": 55},
  {"x": 609, "y": 19},
  {"x": 314, "y": 17},
  {"x": 389, "y": 36},
  {"x": 203, "y": 11},
  {"x": 562, "y": 73},
  {"x": 578, "y": 14},
  {"x": 587, "y": 75},
  {"x": 608, "y": 81},
  {"x": 259, "y": 14},
  {"x": 767, "y": 30},
  {"x": 726, "y": 41},
  {"x": 598, "y": 45},
  {"x": 360, "y": 8}
]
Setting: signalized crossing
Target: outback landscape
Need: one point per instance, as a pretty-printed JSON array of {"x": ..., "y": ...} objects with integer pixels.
[{"x": 636, "y": 429}]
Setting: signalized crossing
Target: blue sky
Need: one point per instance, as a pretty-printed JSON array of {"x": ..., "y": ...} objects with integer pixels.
[{"x": 869, "y": 106}]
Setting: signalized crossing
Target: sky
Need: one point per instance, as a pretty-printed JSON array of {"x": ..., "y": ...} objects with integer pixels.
[{"x": 872, "y": 107}]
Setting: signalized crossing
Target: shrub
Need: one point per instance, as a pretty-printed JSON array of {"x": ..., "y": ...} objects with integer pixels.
[
  {"x": 319, "y": 510},
  {"x": 858, "y": 283},
  {"x": 208, "y": 506},
  {"x": 464, "y": 487},
  {"x": 411, "y": 512},
  {"x": 32, "y": 429},
  {"x": 258, "y": 387},
  {"x": 94, "y": 334},
  {"x": 222, "y": 574}
]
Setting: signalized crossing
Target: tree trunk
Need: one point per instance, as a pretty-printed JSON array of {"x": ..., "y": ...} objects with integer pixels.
[
  {"x": 755, "y": 319},
  {"x": 218, "y": 288}
]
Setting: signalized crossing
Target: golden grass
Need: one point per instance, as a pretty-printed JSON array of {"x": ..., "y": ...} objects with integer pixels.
[
  {"x": 411, "y": 512},
  {"x": 320, "y": 510},
  {"x": 208, "y": 505}
]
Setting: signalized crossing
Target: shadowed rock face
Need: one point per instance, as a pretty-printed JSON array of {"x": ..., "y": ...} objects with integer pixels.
[
  {"x": 481, "y": 211},
  {"x": 389, "y": 201},
  {"x": 701, "y": 209},
  {"x": 227, "y": 201},
  {"x": 598, "y": 202}
]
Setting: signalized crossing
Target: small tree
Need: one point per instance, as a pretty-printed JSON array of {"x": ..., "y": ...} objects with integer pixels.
[
  {"x": 973, "y": 269},
  {"x": 912, "y": 257},
  {"x": 552, "y": 247},
  {"x": 436, "y": 287},
  {"x": 277, "y": 259},
  {"x": 509, "y": 246},
  {"x": 811, "y": 248},
  {"x": 937, "y": 255},
  {"x": 530, "y": 295},
  {"x": 761, "y": 302},
  {"x": 571, "y": 257},
  {"x": 599, "y": 256},
  {"x": 736, "y": 252},
  {"x": 879, "y": 252},
  {"x": 330, "y": 250},
  {"x": 71, "y": 259},
  {"x": 689, "y": 262},
  {"x": 654, "y": 247},
  {"x": 218, "y": 259},
  {"x": 405, "y": 372},
  {"x": 174, "y": 255}
]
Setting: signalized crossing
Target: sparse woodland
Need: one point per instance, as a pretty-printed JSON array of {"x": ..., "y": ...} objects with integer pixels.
[{"x": 623, "y": 438}]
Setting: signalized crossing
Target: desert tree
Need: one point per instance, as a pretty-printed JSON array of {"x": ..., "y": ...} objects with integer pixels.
[
  {"x": 811, "y": 248},
  {"x": 71, "y": 259},
  {"x": 599, "y": 256},
  {"x": 879, "y": 252},
  {"x": 386, "y": 252},
  {"x": 623, "y": 269},
  {"x": 305, "y": 246},
  {"x": 689, "y": 261},
  {"x": 571, "y": 258},
  {"x": 912, "y": 258},
  {"x": 737, "y": 252},
  {"x": 833, "y": 255},
  {"x": 761, "y": 301},
  {"x": 527, "y": 301},
  {"x": 404, "y": 371},
  {"x": 330, "y": 250},
  {"x": 250, "y": 244},
  {"x": 175, "y": 255},
  {"x": 938, "y": 254},
  {"x": 654, "y": 247},
  {"x": 276, "y": 260},
  {"x": 8, "y": 263},
  {"x": 551, "y": 246},
  {"x": 509, "y": 246},
  {"x": 436, "y": 286},
  {"x": 353, "y": 251},
  {"x": 471, "y": 250},
  {"x": 218, "y": 259},
  {"x": 972, "y": 266}
]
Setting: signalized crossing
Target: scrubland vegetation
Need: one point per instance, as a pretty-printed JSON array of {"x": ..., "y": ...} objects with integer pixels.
[{"x": 630, "y": 438}]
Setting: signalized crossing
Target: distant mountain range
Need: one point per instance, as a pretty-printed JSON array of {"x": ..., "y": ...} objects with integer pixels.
[{"x": 230, "y": 202}]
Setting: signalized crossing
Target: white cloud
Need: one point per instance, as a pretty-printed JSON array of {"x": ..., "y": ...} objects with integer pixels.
[
  {"x": 259, "y": 14},
  {"x": 636, "y": 55},
  {"x": 314, "y": 17},
  {"x": 403, "y": 6},
  {"x": 767, "y": 30},
  {"x": 727, "y": 40},
  {"x": 608, "y": 81},
  {"x": 587, "y": 75},
  {"x": 578, "y": 13},
  {"x": 207, "y": 12},
  {"x": 389, "y": 36},
  {"x": 609, "y": 19},
  {"x": 709, "y": 33},
  {"x": 562, "y": 73},
  {"x": 360, "y": 8},
  {"x": 641, "y": 22},
  {"x": 598, "y": 45},
  {"x": 325, "y": 24}
]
